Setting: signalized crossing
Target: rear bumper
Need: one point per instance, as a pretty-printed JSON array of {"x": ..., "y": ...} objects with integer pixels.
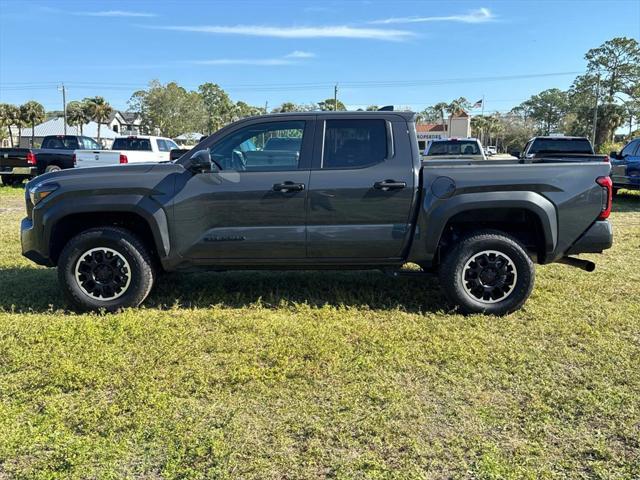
[
  {"x": 31, "y": 248},
  {"x": 22, "y": 171},
  {"x": 597, "y": 238}
]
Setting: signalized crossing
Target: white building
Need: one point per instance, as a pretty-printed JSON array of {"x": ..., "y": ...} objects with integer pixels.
[{"x": 460, "y": 128}]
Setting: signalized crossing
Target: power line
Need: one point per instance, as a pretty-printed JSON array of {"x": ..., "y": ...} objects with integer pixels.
[{"x": 301, "y": 85}]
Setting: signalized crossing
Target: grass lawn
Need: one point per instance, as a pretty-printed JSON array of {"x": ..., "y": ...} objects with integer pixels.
[{"x": 316, "y": 375}]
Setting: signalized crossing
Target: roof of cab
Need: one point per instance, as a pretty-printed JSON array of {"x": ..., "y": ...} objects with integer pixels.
[{"x": 408, "y": 116}]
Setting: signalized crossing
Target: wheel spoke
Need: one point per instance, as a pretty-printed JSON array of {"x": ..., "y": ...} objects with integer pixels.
[
  {"x": 103, "y": 273},
  {"x": 489, "y": 276}
]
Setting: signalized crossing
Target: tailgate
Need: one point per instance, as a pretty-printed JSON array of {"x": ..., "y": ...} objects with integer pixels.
[
  {"x": 96, "y": 158},
  {"x": 13, "y": 157}
]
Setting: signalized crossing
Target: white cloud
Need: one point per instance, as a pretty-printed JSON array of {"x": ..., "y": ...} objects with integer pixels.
[
  {"x": 480, "y": 15},
  {"x": 337, "y": 31},
  {"x": 115, "y": 13},
  {"x": 244, "y": 61},
  {"x": 300, "y": 54}
]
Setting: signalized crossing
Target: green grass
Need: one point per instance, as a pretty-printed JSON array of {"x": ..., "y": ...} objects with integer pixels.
[{"x": 322, "y": 375}]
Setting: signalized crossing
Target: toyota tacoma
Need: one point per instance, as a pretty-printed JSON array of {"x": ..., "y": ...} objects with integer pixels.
[{"x": 321, "y": 190}]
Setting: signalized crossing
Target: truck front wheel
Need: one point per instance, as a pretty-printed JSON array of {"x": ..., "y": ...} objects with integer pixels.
[
  {"x": 105, "y": 268},
  {"x": 487, "y": 272}
]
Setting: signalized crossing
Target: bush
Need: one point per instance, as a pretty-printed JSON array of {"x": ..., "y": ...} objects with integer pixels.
[{"x": 608, "y": 147}]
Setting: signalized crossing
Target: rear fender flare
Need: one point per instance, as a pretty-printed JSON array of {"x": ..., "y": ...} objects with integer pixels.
[{"x": 440, "y": 213}]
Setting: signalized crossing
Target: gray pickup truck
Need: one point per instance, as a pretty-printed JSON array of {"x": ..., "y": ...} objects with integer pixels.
[{"x": 323, "y": 190}]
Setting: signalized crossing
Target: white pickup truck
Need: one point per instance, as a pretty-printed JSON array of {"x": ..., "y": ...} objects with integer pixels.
[{"x": 130, "y": 149}]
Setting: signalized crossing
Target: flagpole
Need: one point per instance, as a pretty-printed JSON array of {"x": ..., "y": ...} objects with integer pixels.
[{"x": 483, "y": 104}]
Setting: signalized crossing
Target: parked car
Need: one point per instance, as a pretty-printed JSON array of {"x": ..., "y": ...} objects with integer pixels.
[
  {"x": 625, "y": 167},
  {"x": 129, "y": 149},
  {"x": 560, "y": 147},
  {"x": 466, "y": 148},
  {"x": 354, "y": 196},
  {"x": 56, "y": 153},
  {"x": 490, "y": 150}
]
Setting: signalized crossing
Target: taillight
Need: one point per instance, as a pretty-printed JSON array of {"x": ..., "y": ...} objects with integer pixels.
[
  {"x": 31, "y": 158},
  {"x": 123, "y": 158},
  {"x": 607, "y": 196},
  {"x": 74, "y": 160},
  {"x": 606, "y": 159}
]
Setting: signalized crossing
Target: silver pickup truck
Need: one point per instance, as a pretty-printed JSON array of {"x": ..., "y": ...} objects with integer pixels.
[{"x": 318, "y": 190}]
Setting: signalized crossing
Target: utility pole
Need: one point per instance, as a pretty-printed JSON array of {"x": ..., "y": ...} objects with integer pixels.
[
  {"x": 335, "y": 97},
  {"x": 595, "y": 111},
  {"x": 64, "y": 105},
  {"x": 266, "y": 106}
]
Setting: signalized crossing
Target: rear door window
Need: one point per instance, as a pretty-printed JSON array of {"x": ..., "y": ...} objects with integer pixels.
[
  {"x": 162, "y": 145},
  {"x": 354, "y": 143}
]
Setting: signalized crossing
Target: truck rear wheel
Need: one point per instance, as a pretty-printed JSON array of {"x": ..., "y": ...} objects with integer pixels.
[
  {"x": 105, "y": 268},
  {"x": 52, "y": 168},
  {"x": 487, "y": 272}
]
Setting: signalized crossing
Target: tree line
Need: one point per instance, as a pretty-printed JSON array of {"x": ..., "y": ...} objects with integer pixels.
[
  {"x": 604, "y": 98},
  {"x": 32, "y": 113}
]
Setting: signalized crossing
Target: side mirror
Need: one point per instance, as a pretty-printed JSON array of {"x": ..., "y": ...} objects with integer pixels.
[
  {"x": 515, "y": 153},
  {"x": 200, "y": 162},
  {"x": 614, "y": 155}
]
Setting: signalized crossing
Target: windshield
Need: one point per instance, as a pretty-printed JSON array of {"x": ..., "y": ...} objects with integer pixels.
[
  {"x": 132, "y": 143},
  {"x": 553, "y": 145},
  {"x": 454, "y": 147}
]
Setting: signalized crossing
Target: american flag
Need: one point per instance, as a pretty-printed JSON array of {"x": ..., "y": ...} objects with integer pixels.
[{"x": 478, "y": 104}]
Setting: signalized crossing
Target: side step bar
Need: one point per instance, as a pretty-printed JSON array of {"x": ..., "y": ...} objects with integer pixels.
[{"x": 585, "y": 265}]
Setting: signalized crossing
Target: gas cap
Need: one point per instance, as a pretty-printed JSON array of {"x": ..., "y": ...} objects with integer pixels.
[{"x": 443, "y": 187}]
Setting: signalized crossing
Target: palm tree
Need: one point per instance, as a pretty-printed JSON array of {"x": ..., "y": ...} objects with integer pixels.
[
  {"x": 77, "y": 114},
  {"x": 100, "y": 111},
  {"x": 6, "y": 118},
  {"x": 31, "y": 113},
  {"x": 440, "y": 107},
  {"x": 478, "y": 126},
  {"x": 456, "y": 107}
]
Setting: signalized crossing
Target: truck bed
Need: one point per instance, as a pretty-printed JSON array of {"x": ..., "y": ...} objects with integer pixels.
[{"x": 566, "y": 191}]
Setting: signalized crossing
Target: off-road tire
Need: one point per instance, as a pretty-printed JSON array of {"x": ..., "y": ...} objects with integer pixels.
[
  {"x": 452, "y": 273},
  {"x": 128, "y": 246}
]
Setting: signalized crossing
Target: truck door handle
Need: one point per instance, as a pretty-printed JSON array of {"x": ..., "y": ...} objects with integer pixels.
[
  {"x": 389, "y": 185},
  {"x": 287, "y": 187}
]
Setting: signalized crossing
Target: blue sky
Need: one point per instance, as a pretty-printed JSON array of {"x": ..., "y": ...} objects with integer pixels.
[{"x": 413, "y": 53}]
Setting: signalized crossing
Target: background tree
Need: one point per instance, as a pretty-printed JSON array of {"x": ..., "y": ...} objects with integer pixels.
[
  {"x": 372, "y": 108},
  {"x": 32, "y": 113},
  {"x": 330, "y": 105},
  {"x": 218, "y": 106},
  {"x": 478, "y": 127},
  {"x": 8, "y": 114},
  {"x": 171, "y": 110},
  {"x": 456, "y": 107},
  {"x": 429, "y": 114},
  {"x": 100, "y": 111},
  {"x": 286, "y": 107},
  {"x": 546, "y": 109},
  {"x": 78, "y": 114},
  {"x": 441, "y": 107}
]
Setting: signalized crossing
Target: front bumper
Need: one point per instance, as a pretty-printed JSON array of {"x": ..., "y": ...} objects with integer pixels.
[
  {"x": 597, "y": 238},
  {"x": 29, "y": 238}
]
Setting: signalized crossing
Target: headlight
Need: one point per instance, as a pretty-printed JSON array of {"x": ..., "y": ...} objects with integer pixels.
[{"x": 40, "y": 191}]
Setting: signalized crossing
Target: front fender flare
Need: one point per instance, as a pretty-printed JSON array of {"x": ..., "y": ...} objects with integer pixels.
[{"x": 140, "y": 205}]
